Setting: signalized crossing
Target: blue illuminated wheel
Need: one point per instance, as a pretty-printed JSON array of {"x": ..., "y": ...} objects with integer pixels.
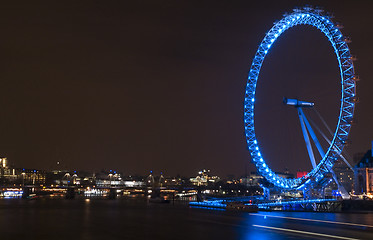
[{"x": 315, "y": 18}]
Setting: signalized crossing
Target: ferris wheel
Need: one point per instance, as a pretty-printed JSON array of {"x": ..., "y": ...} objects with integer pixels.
[{"x": 322, "y": 170}]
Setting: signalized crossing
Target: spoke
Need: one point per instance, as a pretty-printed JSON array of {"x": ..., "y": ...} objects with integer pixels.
[
  {"x": 313, "y": 135},
  {"x": 329, "y": 142},
  {"x": 306, "y": 138}
]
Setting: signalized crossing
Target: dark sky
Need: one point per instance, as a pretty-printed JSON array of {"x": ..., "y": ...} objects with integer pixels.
[{"x": 159, "y": 85}]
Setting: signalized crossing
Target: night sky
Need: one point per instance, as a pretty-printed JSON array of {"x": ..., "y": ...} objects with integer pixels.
[{"x": 159, "y": 85}]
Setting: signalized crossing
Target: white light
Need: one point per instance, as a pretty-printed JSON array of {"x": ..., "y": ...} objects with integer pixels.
[
  {"x": 265, "y": 51},
  {"x": 269, "y": 45},
  {"x": 264, "y": 165},
  {"x": 253, "y": 99},
  {"x": 267, "y": 170},
  {"x": 261, "y": 160},
  {"x": 259, "y": 154},
  {"x": 255, "y": 142},
  {"x": 272, "y": 40},
  {"x": 276, "y": 35}
]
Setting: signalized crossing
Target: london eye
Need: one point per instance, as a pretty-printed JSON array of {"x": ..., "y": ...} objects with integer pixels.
[{"x": 321, "y": 171}]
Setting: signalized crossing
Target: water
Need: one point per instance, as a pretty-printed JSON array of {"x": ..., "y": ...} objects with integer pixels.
[{"x": 137, "y": 219}]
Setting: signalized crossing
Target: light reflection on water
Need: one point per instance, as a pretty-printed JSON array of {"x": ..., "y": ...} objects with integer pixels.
[
  {"x": 357, "y": 218},
  {"x": 138, "y": 219}
]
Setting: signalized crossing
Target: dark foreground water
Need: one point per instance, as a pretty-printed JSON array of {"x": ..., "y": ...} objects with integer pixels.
[{"x": 137, "y": 219}]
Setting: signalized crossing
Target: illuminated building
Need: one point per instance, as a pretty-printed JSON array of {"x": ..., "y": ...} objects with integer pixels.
[
  {"x": 3, "y": 162},
  {"x": 301, "y": 174},
  {"x": 203, "y": 178},
  {"x": 7, "y": 174},
  {"x": 344, "y": 175},
  {"x": 254, "y": 179},
  {"x": 30, "y": 177},
  {"x": 364, "y": 174}
]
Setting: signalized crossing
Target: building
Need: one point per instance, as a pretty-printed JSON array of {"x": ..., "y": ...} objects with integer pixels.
[
  {"x": 363, "y": 182},
  {"x": 204, "y": 178},
  {"x": 7, "y": 174},
  {"x": 344, "y": 174},
  {"x": 254, "y": 179},
  {"x": 30, "y": 177},
  {"x": 301, "y": 174}
]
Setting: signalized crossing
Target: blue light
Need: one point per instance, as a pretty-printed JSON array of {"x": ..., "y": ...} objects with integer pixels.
[{"x": 348, "y": 88}]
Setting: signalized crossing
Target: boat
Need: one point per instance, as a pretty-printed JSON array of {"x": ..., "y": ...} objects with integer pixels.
[{"x": 239, "y": 206}]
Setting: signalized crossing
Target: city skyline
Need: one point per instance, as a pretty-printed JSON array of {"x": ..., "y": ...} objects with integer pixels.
[{"x": 160, "y": 85}]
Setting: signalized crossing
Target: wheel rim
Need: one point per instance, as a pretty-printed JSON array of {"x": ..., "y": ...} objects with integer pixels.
[{"x": 315, "y": 18}]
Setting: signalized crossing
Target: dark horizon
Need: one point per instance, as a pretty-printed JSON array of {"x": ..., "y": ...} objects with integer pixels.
[{"x": 160, "y": 85}]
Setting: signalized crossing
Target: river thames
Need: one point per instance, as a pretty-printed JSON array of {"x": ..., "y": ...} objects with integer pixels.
[{"x": 137, "y": 219}]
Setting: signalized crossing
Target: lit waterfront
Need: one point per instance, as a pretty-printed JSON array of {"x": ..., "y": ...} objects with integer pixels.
[{"x": 127, "y": 218}]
